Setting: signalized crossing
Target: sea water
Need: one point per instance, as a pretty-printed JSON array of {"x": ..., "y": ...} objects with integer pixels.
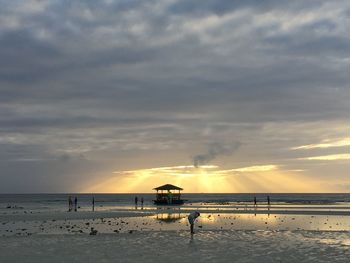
[{"x": 105, "y": 202}]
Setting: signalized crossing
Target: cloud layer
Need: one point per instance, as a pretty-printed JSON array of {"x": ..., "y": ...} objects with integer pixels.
[{"x": 90, "y": 87}]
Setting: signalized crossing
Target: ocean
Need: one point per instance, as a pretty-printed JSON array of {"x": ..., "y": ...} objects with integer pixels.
[{"x": 59, "y": 202}]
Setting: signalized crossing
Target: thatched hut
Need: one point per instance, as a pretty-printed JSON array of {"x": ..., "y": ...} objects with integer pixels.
[{"x": 168, "y": 194}]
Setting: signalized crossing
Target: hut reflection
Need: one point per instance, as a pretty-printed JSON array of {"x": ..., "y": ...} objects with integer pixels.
[{"x": 169, "y": 217}]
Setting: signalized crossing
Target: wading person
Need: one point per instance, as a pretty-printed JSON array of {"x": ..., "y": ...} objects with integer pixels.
[
  {"x": 191, "y": 218},
  {"x": 136, "y": 201},
  {"x": 70, "y": 204},
  {"x": 75, "y": 204}
]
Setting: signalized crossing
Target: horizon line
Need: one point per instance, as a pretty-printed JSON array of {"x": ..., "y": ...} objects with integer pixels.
[{"x": 111, "y": 193}]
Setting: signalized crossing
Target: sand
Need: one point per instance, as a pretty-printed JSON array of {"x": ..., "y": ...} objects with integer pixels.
[
  {"x": 178, "y": 246},
  {"x": 310, "y": 234}
]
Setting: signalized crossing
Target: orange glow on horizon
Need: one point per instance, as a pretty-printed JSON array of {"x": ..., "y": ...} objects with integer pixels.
[{"x": 209, "y": 179}]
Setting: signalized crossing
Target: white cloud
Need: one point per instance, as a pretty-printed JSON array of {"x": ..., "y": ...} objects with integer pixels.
[
  {"x": 332, "y": 157},
  {"x": 256, "y": 168},
  {"x": 325, "y": 144}
]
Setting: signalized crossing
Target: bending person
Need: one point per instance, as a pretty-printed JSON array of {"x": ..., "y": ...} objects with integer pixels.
[{"x": 191, "y": 218}]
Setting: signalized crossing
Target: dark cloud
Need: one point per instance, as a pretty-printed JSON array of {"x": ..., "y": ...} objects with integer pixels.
[{"x": 223, "y": 7}]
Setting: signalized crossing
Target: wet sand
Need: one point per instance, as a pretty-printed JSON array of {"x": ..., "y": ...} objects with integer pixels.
[
  {"x": 179, "y": 246},
  {"x": 225, "y": 235},
  {"x": 172, "y": 222}
]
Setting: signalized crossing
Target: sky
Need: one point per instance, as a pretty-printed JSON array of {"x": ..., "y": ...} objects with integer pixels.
[{"x": 213, "y": 96}]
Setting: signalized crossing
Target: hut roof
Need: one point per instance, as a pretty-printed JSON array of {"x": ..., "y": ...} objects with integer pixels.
[{"x": 167, "y": 187}]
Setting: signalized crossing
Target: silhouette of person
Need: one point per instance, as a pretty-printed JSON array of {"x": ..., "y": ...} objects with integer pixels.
[
  {"x": 75, "y": 204},
  {"x": 70, "y": 204},
  {"x": 93, "y": 204},
  {"x": 136, "y": 201},
  {"x": 254, "y": 200},
  {"x": 191, "y": 218},
  {"x": 268, "y": 200}
]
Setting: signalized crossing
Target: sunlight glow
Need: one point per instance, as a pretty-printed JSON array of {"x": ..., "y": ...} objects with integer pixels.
[
  {"x": 257, "y": 168},
  {"x": 332, "y": 157},
  {"x": 325, "y": 144},
  {"x": 209, "y": 179}
]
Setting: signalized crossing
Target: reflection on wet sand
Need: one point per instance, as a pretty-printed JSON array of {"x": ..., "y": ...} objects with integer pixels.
[{"x": 169, "y": 218}]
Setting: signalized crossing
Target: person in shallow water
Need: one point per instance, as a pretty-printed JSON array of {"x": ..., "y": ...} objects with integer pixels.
[
  {"x": 191, "y": 218},
  {"x": 75, "y": 204},
  {"x": 70, "y": 204},
  {"x": 136, "y": 201}
]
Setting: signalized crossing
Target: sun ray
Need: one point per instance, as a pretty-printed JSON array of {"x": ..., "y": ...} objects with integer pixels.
[{"x": 210, "y": 179}]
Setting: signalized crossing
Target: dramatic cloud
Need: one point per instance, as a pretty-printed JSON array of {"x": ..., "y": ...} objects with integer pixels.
[{"x": 90, "y": 87}]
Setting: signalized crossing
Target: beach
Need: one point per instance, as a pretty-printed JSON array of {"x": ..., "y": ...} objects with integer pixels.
[
  {"x": 174, "y": 131},
  {"x": 225, "y": 232},
  {"x": 173, "y": 246}
]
